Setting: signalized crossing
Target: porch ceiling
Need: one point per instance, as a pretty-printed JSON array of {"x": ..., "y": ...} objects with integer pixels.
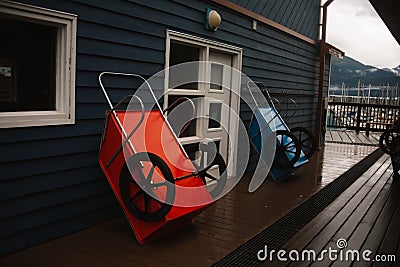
[{"x": 389, "y": 13}]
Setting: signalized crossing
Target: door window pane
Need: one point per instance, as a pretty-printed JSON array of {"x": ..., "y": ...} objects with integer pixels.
[
  {"x": 216, "y": 76},
  {"x": 192, "y": 150},
  {"x": 181, "y": 53},
  {"x": 177, "y": 121},
  {"x": 214, "y": 120}
]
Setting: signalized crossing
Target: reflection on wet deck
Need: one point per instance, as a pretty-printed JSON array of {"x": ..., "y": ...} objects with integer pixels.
[
  {"x": 337, "y": 158},
  {"x": 365, "y": 217},
  {"x": 343, "y": 136},
  {"x": 219, "y": 230}
]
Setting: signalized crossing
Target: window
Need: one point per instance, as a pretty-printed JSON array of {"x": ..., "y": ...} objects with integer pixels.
[
  {"x": 37, "y": 66},
  {"x": 182, "y": 53},
  {"x": 215, "y": 110},
  {"x": 176, "y": 124},
  {"x": 28, "y": 82},
  {"x": 216, "y": 76}
]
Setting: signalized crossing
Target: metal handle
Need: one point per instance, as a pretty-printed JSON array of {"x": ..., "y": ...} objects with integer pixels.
[
  {"x": 249, "y": 85},
  {"x": 175, "y": 104},
  {"x": 274, "y": 99},
  {"x": 122, "y": 74},
  {"x": 179, "y": 101},
  {"x": 141, "y": 117},
  {"x": 126, "y": 136},
  {"x": 293, "y": 102},
  {"x": 152, "y": 94},
  {"x": 264, "y": 90}
]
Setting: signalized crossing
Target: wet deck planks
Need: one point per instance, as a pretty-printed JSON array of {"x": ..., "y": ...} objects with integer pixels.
[
  {"x": 366, "y": 215},
  {"x": 351, "y": 137},
  {"x": 223, "y": 227}
]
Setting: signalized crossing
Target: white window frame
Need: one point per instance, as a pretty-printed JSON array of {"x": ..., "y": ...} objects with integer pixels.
[{"x": 66, "y": 25}]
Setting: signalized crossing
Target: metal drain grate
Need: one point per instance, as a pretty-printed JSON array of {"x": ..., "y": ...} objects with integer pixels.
[{"x": 286, "y": 227}]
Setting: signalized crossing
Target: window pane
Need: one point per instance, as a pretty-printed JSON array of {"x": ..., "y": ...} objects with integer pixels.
[
  {"x": 176, "y": 123},
  {"x": 180, "y": 53},
  {"x": 214, "y": 120},
  {"x": 210, "y": 156},
  {"x": 27, "y": 66},
  {"x": 216, "y": 76},
  {"x": 193, "y": 149}
]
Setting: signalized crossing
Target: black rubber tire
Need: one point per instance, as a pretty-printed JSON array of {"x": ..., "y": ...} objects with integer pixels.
[
  {"x": 382, "y": 142},
  {"x": 306, "y": 139},
  {"x": 393, "y": 140},
  {"x": 396, "y": 164},
  {"x": 389, "y": 141},
  {"x": 214, "y": 189},
  {"x": 281, "y": 150},
  {"x": 128, "y": 184}
]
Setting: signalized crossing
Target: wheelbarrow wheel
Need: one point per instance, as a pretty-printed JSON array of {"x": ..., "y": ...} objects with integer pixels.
[
  {"x": 306, "y": 139},
  {"x": 147, "y": 186},
  {"x": 389, "y": 141},
  {"x": 214, "y": 173},
  {"x": 288, "y": 149},
  {"x": 393, "y": 140},
  {"x": 396, "y": 163},
  {"x": 383, "y": 144}
]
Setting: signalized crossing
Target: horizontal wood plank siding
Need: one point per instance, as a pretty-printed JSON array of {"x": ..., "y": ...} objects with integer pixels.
[
  {"x": 301, "y": 16},
  {"x": 51, "y": 183}
]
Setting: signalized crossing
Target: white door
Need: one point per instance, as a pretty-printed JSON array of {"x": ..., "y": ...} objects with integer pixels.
[
  {"x": 217, "y": 101},
  {"x": 214, "y": 99}
]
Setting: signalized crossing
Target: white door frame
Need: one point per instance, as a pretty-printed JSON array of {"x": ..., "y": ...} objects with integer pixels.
[{"x": 206, "y": 45}]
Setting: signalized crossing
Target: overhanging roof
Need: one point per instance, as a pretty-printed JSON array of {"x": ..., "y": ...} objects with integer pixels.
[
  {"x": 330, "y": 49},
  {"x": 389, "y": 13}
]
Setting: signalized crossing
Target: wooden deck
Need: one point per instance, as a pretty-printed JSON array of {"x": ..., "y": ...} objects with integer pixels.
[
  {"x": 351, "y": 137},
  {"x": 366, "y": 216},
  {"x": 223, "y": 227}
]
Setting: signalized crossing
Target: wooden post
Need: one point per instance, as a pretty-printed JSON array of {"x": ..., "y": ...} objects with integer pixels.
[
  {"x": 358, "y": 121},
  {"x": 322, "y": 45}
]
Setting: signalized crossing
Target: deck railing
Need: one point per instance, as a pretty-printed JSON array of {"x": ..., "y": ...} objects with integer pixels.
[
  {"x": 358, "y": 116},
  {"x": 391, "y": 101}
]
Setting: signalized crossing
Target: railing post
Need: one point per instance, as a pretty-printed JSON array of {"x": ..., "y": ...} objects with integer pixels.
[{"x": 358, "y": 118}]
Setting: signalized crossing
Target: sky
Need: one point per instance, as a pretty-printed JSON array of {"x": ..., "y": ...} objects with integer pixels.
[{"x": 354, "y": 27}]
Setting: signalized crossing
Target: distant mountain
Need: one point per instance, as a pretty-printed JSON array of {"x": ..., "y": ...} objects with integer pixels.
[
  {"x": 395, "y": 70},
  {"x": 350, "y": 71}
]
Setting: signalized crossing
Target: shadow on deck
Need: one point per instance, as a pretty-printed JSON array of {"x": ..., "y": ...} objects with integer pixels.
[{"x": 230, "y": 222}]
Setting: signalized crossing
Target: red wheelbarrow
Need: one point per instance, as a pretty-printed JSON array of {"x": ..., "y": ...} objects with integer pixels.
[{"x": 157, "y": 185}]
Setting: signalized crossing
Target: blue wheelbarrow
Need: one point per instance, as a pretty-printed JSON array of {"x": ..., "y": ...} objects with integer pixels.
[{"x": 292, "y": 148}]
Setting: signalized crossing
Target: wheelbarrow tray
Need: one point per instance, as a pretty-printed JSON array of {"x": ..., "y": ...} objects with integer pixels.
[
  {"x": 266, "y": 121},
  {"x": 154, "y": 136}
]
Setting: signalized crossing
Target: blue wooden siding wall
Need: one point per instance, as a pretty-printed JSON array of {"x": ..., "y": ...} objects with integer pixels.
[
  {"x": 50, "y": 182},
  {"x": 298, "y": 15}
]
